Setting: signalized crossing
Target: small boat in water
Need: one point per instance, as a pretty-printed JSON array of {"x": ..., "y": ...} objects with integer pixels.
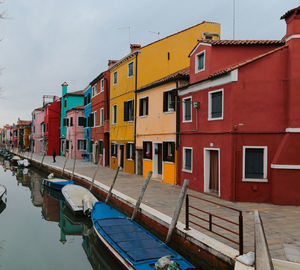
[
  {"x": 3, "y": 194},
  {"x": 56, "y": 183},
  {"x": 79, "y": 199},
  {"x": 132, "y": 245},
  {"x": 14, "y": 160}
]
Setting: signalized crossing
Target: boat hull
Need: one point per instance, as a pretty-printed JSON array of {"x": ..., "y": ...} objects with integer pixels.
[{"x": 57, "y": 184}]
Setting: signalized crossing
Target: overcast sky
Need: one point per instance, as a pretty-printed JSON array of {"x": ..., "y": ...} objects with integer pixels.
[{"x": 47, "y": 42}]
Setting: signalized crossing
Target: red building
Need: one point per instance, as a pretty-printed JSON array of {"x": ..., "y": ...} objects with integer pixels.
[
  {"x": 240, "y": 118},
  {"x": 52, "y": 125},
  {"x": 100, "y": 108}
]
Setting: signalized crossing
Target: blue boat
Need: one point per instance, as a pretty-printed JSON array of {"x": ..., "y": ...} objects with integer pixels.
[
  {"x": 56, "y": 183},
  {"x": 132, "y": 245}
]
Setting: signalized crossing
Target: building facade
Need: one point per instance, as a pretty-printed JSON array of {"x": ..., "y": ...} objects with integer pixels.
[
  {"x": 89, "y": 122},
  {"x": 38, "y": 116}
]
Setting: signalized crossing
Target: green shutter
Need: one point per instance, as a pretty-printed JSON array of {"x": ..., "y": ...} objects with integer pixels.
[{"x": 126, "y": 113}]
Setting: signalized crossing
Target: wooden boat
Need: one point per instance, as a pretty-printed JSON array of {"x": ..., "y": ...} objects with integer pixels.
[
  {"x": 3, "y": 194},
  {"x": 79, "y": 199},
  {"x": 56, "y": 183},
  {"x": 133, "y": 246}
]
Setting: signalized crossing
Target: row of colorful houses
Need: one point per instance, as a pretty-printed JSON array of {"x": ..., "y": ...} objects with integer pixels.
[{"x": 223, "y": 114}]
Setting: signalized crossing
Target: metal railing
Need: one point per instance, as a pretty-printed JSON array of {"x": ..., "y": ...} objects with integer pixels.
[{"x": 212, "y": 222}]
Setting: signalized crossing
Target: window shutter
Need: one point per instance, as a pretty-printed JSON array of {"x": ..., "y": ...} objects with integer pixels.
[
  {"x": 172, "y": 94},
  {"x": 173, "y": 151},
  {"x": 100, "y": 145},
  {"x": 165, "y": 102},
  {"x": 144, "y": 149},
  {"x": 126, "y": 114},
  {"x": 71, "y": 121},
  {"x": 67, "y": 122},
  {"x": 147, "y": 101},
  {"x": 133, "y": 152},
  {"x": 84, "y": 144},
  {"x": 141, "y": 107}
]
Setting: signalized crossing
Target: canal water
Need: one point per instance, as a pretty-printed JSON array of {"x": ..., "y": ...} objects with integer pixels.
[{"x": 37, "y": 230}]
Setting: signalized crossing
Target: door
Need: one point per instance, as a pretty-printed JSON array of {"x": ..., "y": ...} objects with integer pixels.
[
  {"x": 139, "y": 162},
  {"x": 159, "y": 158},
  {"x": 214, "y": 172}
]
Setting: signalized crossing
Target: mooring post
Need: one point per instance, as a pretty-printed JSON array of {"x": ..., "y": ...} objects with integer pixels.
[
  {"x": 73, "y": 171},
  {"x": 66, "y": 159},
  {"x": 177, "y": 210},
  {"x": 44, "y": 154},
  {"x": 31, "y": 155},
  {"x": 138, "y": 203},
  {"x": 263, "y": 260},
  {"x": 112, "y": 185},
  {"x": 98, "y": 166}
]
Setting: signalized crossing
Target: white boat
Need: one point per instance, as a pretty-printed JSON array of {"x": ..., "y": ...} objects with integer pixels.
[
  {"x": 79, "y": 199},
  {"x": 3, "y": 193},
  {"x": 23, "y": 162},
  {"x": 15, "y": 160}
]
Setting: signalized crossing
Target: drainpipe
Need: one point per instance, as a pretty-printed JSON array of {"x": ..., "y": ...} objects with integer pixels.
[
  {"x": 135, "y": 106},
  {"x": 177, "y": 110}
]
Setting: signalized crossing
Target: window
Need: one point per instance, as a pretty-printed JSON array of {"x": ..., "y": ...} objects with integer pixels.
[
  {"x": 169, "y": 101},
  {"x": 94, "y": 90},
  {"x": 81, "y": 145},
  {"x": 65, "y": 103},
  {"x": 94, "y": 118},
  {"x": 101, "y": 117},
  {"x": 169, "y": 151},
  {"x": 187, "y": 159},
  {"x": 114, "y": 114},
  {"x": 81, "y": 121},
  {"x": 89, "y": 98},
  {"x": 147, "y": 150},
  {"x": 115, "y": 78},
  {"x": 67, "y": 145},
  {"x": 200, "y": 62},
  {"x": 144, "y": 106},
  {"x": 65, "y": 122},
  {"x": 130, "y": 151},
  {"x": 113, "y": 150},
  {"x": 102, "y": 85},
  {"x": 255, "y": 162},
  {"x": 91, "y": 120},
  {"x": 71, "y": 122},
  {"x": 187, "y": 109},
  {"x": 215, "y": 105},
  {"x": 128, "y": 110},
  {"x": 209, "y": 37},
  {"x": 47, "y": 127},
  {"x": 130, "y": 69}
]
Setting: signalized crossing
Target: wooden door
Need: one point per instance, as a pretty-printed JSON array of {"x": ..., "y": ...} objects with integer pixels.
[
  {"x": 214, "y": 172},
  {"x": 159, "y": 158},
  {"x": 122, "y": 156}
]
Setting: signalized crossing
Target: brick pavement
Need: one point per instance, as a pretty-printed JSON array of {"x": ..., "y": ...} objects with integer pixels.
[{"x": 281, "y": 223}]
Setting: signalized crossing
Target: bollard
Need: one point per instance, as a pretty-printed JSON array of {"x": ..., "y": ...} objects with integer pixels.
[
  {"x": 98, "y": 166},
  {"x": 112, "y": 185},
  {"x": 137, "y": 206},
  {"x": 177, "y": 210},
  {"x": 44, "y": 154}
]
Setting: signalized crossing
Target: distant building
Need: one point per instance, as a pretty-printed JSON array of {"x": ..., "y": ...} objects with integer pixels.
[
  {"x": 38, "y": 116},
  {"x": 89, "y": 122}
]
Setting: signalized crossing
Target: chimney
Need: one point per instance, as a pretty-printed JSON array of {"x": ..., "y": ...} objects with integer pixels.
[
  {"x": 64, "y": 88},
  {"x": 292, "y": 19},
  {"x": 135, "y": 47},
  {"x": 111, "y": 62}
]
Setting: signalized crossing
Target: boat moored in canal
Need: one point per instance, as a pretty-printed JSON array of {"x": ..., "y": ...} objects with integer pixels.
[
  {"x": 3, "y": 194},
  {"x": 79, "y": 199},
  {"x": 132, "y": 245},
  {"x": 56, "y": 183}
]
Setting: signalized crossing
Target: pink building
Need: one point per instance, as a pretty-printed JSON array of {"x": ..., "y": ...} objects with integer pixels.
[
  {"x": 75, "y": 142},
  {"x": 38, "y": 116}
]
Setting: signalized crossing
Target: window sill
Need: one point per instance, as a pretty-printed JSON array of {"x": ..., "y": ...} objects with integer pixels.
[
  {"x": 168, "y": 112},
  {"x": 147, "y": 159},
  {"x": 143, "y": 116},
  {"x": 187, "y": 171},
  {"x": 256, "y": 180},
  {"x": 130, "y": 159},
  {"x": 113, "y": 157},
  {"x": 169, "y": 162},
  {"x": 214, "y": 119},
  {"x": 187, "y": 121}
]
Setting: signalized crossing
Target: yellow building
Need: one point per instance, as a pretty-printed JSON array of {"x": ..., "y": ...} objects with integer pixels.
[
  {"x": 24, "y": 131},
  {"x": 143, "y": 66},
  {"x": 156, "y": 127}
]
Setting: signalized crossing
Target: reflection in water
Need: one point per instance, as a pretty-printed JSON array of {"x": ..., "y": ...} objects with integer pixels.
[
  {"x": 2, "y": 206},
  {"x": 54, "y": 210}
]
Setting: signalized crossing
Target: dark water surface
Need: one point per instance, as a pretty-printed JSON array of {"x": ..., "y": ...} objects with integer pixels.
[{"x": 37, "y": 231}]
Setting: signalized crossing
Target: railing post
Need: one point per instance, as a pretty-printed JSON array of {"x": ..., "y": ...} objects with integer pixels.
[
  {"x": 241, "y": 233},
  {"x": 210, "y": 222},
  {"x": 187, "y": 203}
]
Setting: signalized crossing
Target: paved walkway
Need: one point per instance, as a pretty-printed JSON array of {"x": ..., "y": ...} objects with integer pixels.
[{"x": 281, "y": 223}]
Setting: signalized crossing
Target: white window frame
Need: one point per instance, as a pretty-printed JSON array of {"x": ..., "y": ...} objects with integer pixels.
[
  {"x": 114, "y": 114},
  {"x": 129, "y": 76},
  {"x": 210, "y": 105},
  {"x": 183, "y": 159},
  {"x": 144, "y": 107},
  {"x": 83, "y": 144},
  {"x": 264, "y": 179},
  {"x": 101, "y": 117},
  {"x": 183, "y": 110},
  {"x": 115, "y": 82},
  {"x": 101, "y": 85},
  {"x": 197, "y": 61}
]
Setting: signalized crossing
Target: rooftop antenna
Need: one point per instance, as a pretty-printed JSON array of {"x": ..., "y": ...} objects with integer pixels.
[
  {"x": 124, "y": 28},
  {"x": 156, "y": 33},
  {"x": 233, "y": 21}
]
